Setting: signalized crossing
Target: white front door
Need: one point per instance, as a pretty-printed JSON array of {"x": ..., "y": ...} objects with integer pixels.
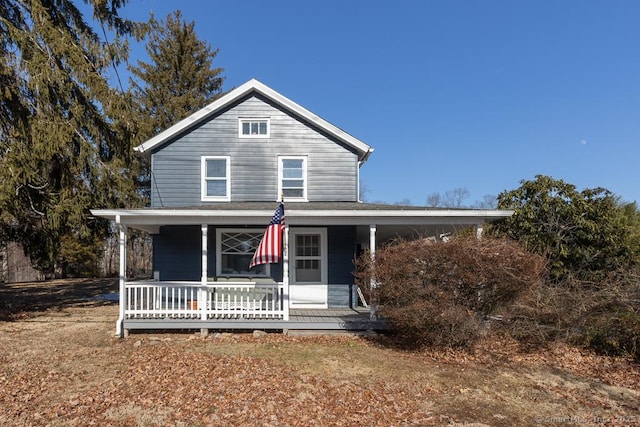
[{"x": 308, "y": 267}]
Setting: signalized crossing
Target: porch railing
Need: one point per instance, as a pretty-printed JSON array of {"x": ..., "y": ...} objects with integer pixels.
[{"x": 192, "y": 300}]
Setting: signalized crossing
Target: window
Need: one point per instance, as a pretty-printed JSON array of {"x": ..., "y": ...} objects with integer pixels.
[
  {"x": 308, "y": 258},
  {"x": 292, "y": 178},
  {"x": 253, "y": 128},
  {"x": 216, "y": 184},
  {"x": 235, "y": 250}
]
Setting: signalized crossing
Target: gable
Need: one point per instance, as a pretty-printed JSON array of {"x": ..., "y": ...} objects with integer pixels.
[
  {"x": 220, "y": 133},
  {"x": 253, "y": 165},
  {"x": 238, "y": 96}
]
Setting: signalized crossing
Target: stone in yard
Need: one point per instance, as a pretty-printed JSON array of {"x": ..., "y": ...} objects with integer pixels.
[{"x": 257, "y": 333}]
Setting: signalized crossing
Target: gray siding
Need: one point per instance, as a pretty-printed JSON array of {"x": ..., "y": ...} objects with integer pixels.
[
  {"x": 341, "y": 251},
  {"x": 340, "y": 296},
  {"x": 176, "y": 253},
  {"x": 331, "y": 167}
]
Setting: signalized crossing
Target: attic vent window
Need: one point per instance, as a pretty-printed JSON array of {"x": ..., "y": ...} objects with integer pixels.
[{"x": 254, "y": 128}]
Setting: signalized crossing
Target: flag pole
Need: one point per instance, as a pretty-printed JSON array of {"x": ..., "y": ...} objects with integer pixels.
[
  {"x": 273, "y": 248},
  {"x": 285, "y": 268}
]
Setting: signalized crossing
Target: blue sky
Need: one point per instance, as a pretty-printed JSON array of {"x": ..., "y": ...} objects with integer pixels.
[{"x": 449, "y": 93}]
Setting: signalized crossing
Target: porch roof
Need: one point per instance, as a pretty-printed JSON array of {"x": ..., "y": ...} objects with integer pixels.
[{"x": 300, "y": 214}]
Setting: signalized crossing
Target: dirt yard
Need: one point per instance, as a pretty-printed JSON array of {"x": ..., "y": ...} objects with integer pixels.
[{"x": 62, "y": 366}]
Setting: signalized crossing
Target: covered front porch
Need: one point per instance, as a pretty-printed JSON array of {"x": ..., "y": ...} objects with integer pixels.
[
  {"x": 230, "y": 305},
  {"x": 270, "y": 302}
]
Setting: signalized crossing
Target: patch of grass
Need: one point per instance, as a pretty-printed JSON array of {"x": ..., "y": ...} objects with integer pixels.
[{"x": 138, "y": 416}]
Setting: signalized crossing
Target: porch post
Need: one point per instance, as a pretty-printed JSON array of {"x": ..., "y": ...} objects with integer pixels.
[
  {"x": 479, "y": 231},
  {"x": 373, "y": 306},
  {"x": 285, "y": 273},
  {"x": 122, "y": 243},
  {"x": 202, "y": 294}
]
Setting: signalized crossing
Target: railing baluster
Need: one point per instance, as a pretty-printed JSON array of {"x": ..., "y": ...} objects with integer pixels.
[{"x": 225, "y": 300}]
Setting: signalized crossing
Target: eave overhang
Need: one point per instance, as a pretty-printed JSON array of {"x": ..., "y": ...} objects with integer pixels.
[{"x": 152, "y": 219}]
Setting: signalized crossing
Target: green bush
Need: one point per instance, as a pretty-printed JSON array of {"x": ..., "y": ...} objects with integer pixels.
[
  {"x": 79, "y": 258},
  {"x": 617, "y": 334}
]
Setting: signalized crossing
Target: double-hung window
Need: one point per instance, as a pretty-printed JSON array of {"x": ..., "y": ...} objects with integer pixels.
[
  {"x": 235, "y": 251},
  {"x": 292, "y": 178},
  {"x": 253, "y": 128},
  {"x": 308, "y": 266},
  {"x": 216, "y": 183}
]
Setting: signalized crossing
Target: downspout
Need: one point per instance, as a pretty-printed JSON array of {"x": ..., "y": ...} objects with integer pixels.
[
  {"x": 122, "y": 242},
  {"x": 358, "y": 181}
]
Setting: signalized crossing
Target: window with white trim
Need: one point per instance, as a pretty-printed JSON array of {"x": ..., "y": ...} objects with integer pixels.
[
  {"x": 235, "y": 249},
  {"x": 308, "y": 258},
  {"x": 292, "y": 178},
  {"x": 254, "y": 128},
  {"x": 216, "y": 183}
]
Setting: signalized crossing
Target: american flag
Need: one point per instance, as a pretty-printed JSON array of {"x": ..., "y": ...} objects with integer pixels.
[{"x": 270, "y": 246}]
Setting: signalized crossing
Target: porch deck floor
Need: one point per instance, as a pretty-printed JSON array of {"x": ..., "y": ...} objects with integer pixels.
[
  {"x": 316, "y": 316},
  {"x": 347, "y": 319}
]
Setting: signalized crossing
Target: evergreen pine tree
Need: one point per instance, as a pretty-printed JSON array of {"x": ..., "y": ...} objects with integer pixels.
[
  {"x": 65, "y": 134},
  {"x": 178, "y": 80}
]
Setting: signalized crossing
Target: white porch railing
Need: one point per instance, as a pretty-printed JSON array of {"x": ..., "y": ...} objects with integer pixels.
[{"x": 192, "y": 300}]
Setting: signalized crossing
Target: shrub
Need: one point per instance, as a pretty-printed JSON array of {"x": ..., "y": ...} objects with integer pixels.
[
  {"x": 603, "y": 315},
  {"x": 617, "y": 334},
  {"x": 609, "y": 322},
  {"x": 438, "y": 294}
]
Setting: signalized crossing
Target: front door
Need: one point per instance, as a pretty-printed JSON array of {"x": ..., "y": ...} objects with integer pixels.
[{"x": 308, "y": 267}]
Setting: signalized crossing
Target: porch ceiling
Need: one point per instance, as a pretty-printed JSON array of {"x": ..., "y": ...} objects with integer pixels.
[
  {"x": 391, "y": 220},
  {"x": 385, "y": 233}
]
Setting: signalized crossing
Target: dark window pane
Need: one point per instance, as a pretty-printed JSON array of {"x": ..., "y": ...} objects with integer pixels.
[
  {"x": 217, "y": 188},
  {"x": 216, "y": 168},
  {"x": 292, "y": 193}
]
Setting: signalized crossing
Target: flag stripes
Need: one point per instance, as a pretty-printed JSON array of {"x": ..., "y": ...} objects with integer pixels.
[{"x": 270, "y": 247}]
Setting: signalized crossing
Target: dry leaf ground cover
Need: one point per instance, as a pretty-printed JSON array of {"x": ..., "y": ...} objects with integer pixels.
[{"x": 61, "y": 366}]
